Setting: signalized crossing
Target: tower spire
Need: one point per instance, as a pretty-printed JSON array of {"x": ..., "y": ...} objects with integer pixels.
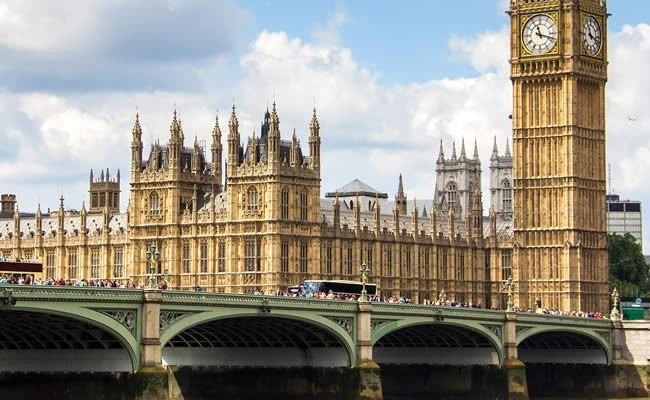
[
  {"x": 495, "y": 150},
  {"x": 475, "y": 156},
  {"x": 462, "y": 150},
  {"x": 453, "y": 150},
  {"x": 441, "y": 153},
  {"x": 314, "y": 142},
  {"x": 507, "y": 153}
]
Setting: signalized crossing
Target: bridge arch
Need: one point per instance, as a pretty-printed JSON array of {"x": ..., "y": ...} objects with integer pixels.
[
  {"x": 64, "y": 337},
  {"x": 567, "y": 345},
  {"x": 429, "y": 340},
  {"x": 236, "y": 335}
]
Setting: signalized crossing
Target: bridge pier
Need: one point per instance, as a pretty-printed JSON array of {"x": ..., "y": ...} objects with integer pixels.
[
  {"x": 514, "y": 369},
  {"x": 369, "y": 372}
]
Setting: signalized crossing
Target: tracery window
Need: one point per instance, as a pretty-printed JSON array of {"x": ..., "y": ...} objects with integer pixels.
[
  {"x": 284, "y": 204},
  {"x": 118, "y": 262},
  {"x": 303, "y": 205},
  {"x": 203, "y": 257},
  {"x": 506, "y": 264},
  {"x": 186, "y": 257},
  {"x": 95, "y": 269},
  {"x": 72, "y": 264},
  {"x": 49, "y": 264},
  {"x": 328, "y": 256},
  {"x": 284, "y": 256},
  {"x": 252, "y": 196},
  {"x": 251, "y": 258},
  {"x": 154, "y": 203},
  {"x": 507, "y": 195},
  {"x": 221, "y": 260},
  {"x": 303, "y": 257},
  {"x": 451, "y": 194}
]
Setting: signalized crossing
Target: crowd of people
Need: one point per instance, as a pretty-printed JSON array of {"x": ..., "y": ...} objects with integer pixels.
[{"x": 26, "y": 279}]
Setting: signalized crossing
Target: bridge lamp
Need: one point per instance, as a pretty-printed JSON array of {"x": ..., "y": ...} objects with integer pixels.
[
  {"x": 153, "y": 256},
  {"x": 364, "y": 279}
]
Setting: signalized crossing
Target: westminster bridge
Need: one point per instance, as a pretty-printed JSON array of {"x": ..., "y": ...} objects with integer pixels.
[{"x": 67, "y": 329}]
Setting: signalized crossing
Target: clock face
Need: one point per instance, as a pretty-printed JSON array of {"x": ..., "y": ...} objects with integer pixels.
[
  {"x": 540, "y": 34},
  {"x": 591, "y": 35}
]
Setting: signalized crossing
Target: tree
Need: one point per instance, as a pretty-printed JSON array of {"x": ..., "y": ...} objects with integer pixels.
[{"x": 628, "y": 270}]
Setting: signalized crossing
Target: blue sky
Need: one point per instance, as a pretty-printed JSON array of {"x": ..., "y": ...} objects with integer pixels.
[{"x": 390, "y": 81}]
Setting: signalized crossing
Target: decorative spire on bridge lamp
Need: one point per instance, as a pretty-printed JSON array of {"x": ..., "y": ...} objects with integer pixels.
[
  {"x": 509, "y": 286},
  {"x": 153, "y": 256},
  {"x": 616, "y": 299},
  {"x": 364, "y": 279}
]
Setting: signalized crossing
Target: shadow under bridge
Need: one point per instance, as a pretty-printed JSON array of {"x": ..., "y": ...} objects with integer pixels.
[{"x": 257, "y": 341}]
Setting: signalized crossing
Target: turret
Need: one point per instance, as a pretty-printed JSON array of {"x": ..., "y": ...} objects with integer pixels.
[
  {"x": 314, "y": 142},
  {"x": 175, "y": 144},
  {"x": 400, "y": 197},
  {"x": 414, "y": 215},
  {"x": 293, "y": 156},
  {"x": 217, "y": 154},
  {"x": 495, "y": 150},
  {"x": 477, "y": 215},
  {"x": 463, "y": 157},
  {"x": 274, "y": 137},
  {"x": 39, "y": 221},
  {"x": 83, "y": 217},
  {"x": 61, "y": 216},
  {"x": 196, "y": 157},
  {"x": 233, "y": 141},
  {"x": 136, "y": 147},
  {"x": 396, "y": 220},
  {"x": 441, "y": 154},
  {"x": 337, "y": 212}
]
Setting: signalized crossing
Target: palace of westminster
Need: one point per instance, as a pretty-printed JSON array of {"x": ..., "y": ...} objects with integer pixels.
[{"x": 255, "y": 220}]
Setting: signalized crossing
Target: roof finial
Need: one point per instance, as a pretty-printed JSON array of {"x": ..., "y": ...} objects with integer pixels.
[
  {"x": 441, "y": 152},
  {"x": 507, "y": 153},
  {"x": 462, "y": 149},
  {"x": 453, "y": 150},
  {"x": 400, "y": 185},
  {"x": 475, "y": 150}
]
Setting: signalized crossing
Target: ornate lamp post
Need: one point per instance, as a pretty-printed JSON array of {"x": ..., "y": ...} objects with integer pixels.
[
  {"x": 364, "y": 279},
  {"x": 509, "y": 285},
  {"x": 153, "y": 256},
  {"x": 442, "y": 297},
  {"x": 616, "y": 299}
]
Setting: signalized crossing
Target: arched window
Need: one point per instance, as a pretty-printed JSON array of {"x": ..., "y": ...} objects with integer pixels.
[
  {"x": 253, "y": 204},
  {"x": 154, "y": 203},
  {"x": 507, "y": 195},
  {"x": 451, "y": 194},
  {"x": 303, "y": 205},
  {"x": 284, "y": 204}
]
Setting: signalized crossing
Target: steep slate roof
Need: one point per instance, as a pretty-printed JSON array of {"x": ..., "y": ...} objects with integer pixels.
[{"x": 357, "y": 188}]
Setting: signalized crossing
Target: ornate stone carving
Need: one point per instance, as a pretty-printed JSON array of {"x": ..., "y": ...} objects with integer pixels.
[{"x": 125, "y": 317}]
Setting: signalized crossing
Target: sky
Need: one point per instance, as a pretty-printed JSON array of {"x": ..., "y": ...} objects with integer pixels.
[{"x": 389, "y": 80}]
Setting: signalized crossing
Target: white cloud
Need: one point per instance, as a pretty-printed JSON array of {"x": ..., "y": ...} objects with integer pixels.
[
  {"x": 330, "y": 33},
  {"x": 370, "y": 130}
]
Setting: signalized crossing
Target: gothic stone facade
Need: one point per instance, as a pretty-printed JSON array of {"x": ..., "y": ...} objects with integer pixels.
[{"x": 265, "y": 227}]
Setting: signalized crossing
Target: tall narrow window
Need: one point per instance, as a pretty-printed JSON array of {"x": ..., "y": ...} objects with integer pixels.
[
  {"x": 407, "y": 261},
  {"x": 389, "y": 260},
  {"x": 369, "y": 256},
  {"x": 451, "y": 194},
  {"x": 284, "y": 204},
  {"x": 303, "y": 257},
  {"x": 507, "y": 195},
  {"x": 221, "y": 258},
  {"x": 154, "y": 203},
  {"x": 250, "y": 255},
  {"x": 203, "y": 254},
  {"x": 350, "y": 260},
  {"x": 95, "y": 269},
  {"x": 303, "y": 205},
  {"x": 186, "y": 257},
  {"x": 506, "y": 264},
  {"x": 460, "y": 267},
  {"x": 284, "y": 256},
  {"x": 118, "y": 262},
  {"x": 49, "y": 263},
  {"x": 72, "y": 264},
  {"x": 253, "y": 204},
  {"x": 328, "y": 256}
]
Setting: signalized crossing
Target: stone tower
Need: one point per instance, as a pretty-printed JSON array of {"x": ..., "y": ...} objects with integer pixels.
[
  {"x": 104, "y": 192},
  {"x": 274, "y": 188},
  {"x": 400, "y": 197},
  {"x": 559, "y": 71},
  {"x": 501, "y": 181},
  {"x": 456, "y": 179}
]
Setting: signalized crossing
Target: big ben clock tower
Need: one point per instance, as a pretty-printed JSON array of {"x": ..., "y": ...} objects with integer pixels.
[{"x": 559, "y": 71}]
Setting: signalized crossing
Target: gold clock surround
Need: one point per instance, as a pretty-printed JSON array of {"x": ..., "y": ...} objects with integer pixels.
[{"x": 524, "y": 20}]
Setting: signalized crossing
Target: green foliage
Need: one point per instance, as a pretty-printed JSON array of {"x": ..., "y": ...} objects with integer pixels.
[{"x": 628, "y": 270}]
